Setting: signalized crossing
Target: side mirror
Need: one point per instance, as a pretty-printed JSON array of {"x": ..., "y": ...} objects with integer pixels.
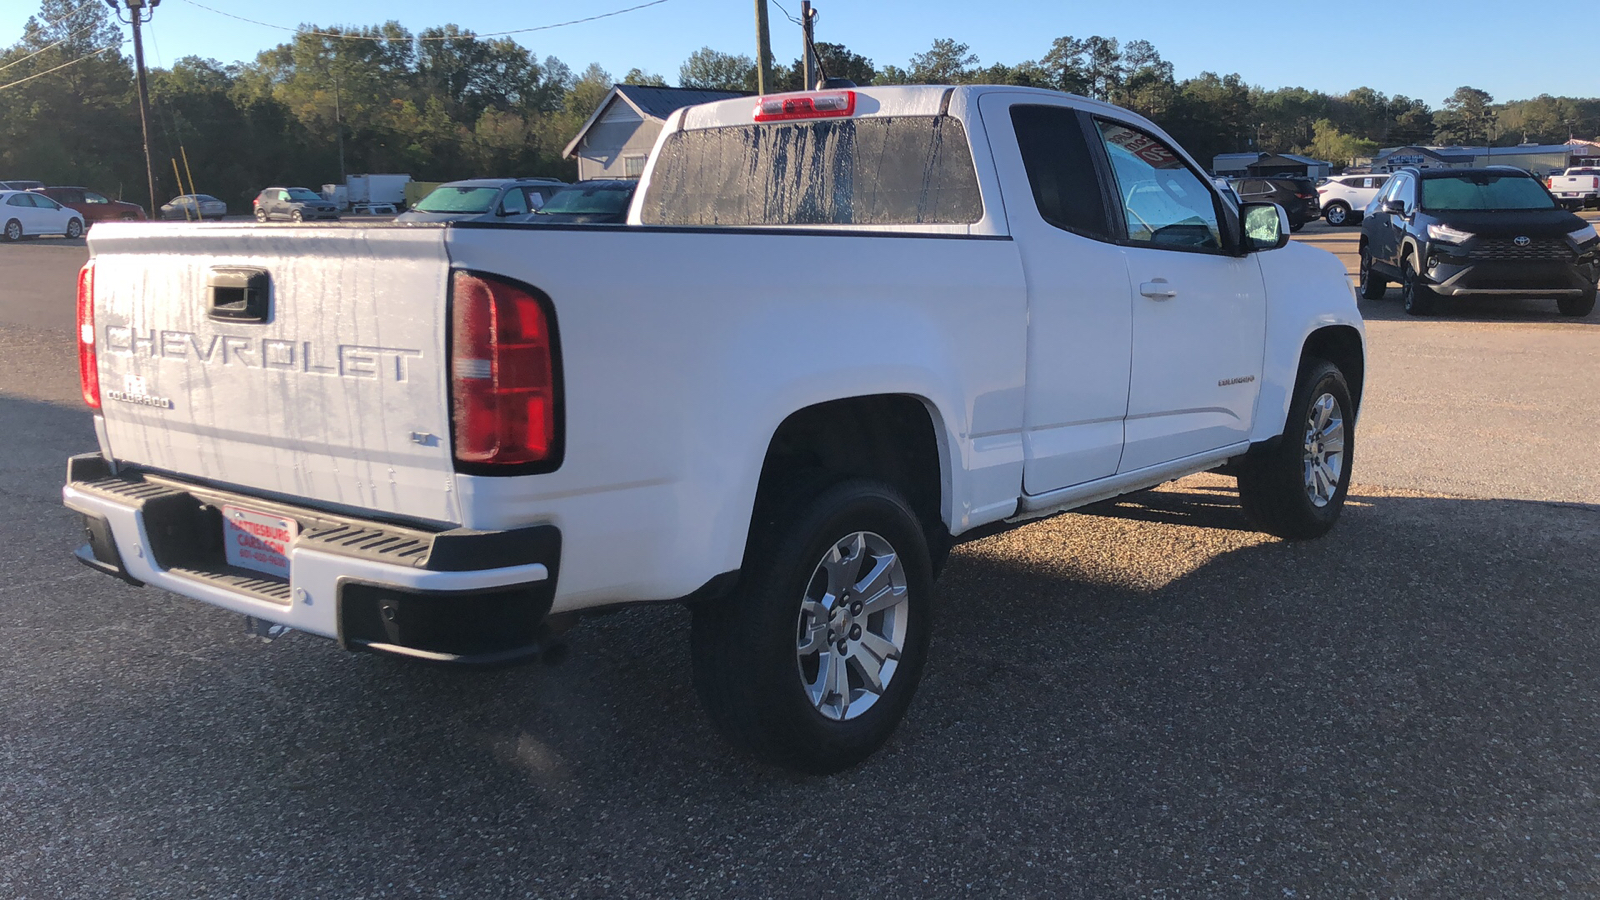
[
  {"x": 1265, "y": 226},
  {"x": 1398, "y": 207}
]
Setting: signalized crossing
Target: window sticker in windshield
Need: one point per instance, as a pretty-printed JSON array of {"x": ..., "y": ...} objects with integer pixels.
[{"x": 1142, "y": 146}]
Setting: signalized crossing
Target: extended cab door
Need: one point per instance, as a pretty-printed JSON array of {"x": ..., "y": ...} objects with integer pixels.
[
  {"x": 1079, "y": 318},
  {"x": 1199, "y": 310}
]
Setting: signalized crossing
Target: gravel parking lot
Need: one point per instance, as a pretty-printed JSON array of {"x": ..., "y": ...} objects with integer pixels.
[{"x": 1145, "y": 699}]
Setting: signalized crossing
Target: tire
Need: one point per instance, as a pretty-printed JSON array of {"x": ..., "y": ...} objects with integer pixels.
[
  {"x": 1373, "y": 285},
  {"x": 296, "y": 216},
  {"x": 767, "y": 693},
  {"x": 13, "y": 232},
  {"x": 1296, "y": 228},
  {"x": 74, "y": 228},
  {"x": 1577, "y": 306},
  {"x": 1337, "y": 214},
  {"x": 1295, "y": 489},
  {"x": 1418, "y": 298},
  {"x": 261, "y": 214}
]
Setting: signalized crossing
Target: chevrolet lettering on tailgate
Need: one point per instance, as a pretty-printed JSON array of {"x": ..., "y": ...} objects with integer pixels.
[{"x": 344, "y": 360}]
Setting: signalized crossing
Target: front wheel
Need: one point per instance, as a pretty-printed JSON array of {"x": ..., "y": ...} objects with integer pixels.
[
  {"x": 1373, "y": 285},
  {"x": 1336, "y": 214},
  {"x": 813, "y": 660},
  {"x": 1418, "y": 298},
  {"x": 1295, "y": 489},
  {"x": 1577, "y": 306},
  {"x": 75, "y": 228},
  {"x": 297, "y": 216}
]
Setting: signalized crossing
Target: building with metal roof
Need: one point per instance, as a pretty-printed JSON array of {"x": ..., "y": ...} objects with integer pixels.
[{"x": 618, "y": 136}]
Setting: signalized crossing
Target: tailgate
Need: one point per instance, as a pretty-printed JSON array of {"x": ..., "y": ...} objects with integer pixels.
[{"x": 333, "y": 391}]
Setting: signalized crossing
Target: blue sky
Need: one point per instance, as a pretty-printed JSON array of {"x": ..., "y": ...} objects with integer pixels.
[{"x": 1510, "y": 56}]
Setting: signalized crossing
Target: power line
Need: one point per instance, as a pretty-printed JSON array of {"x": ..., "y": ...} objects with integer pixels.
[
  {"x": 49, "y": 47},
  {"x": 365, "y": 37},
  {"x": 62, "y": 66},
  {"x": 69, "y": 15}
]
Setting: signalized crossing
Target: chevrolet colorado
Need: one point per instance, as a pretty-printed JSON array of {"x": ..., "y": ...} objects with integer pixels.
[{"x": 841, "y": 331}]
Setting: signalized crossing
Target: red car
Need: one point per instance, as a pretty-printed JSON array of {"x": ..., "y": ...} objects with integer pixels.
[{"x": 94, "y": 207}]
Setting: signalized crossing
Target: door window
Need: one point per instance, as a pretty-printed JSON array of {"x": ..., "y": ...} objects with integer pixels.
[
  {"x": 514, "y": 203},
  {"x": 92, "y": 197},
  {"x": 1066, "y": 189},
  {"x": 44, "y": 202},
  {"x": 1164, "y": 203}
]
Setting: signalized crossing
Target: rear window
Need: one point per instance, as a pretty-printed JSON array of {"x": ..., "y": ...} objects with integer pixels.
[
  {"x": 459, "y": 200},
  {"x": 905, "y": 170},
  {"x": 1484, "y": 191},
  {"x": 611, "y": 199}
]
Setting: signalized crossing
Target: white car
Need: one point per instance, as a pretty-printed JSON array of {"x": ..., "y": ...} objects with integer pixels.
[
  {"x": 1343, "y": 197},
  {"x": 28, "y": 214}
]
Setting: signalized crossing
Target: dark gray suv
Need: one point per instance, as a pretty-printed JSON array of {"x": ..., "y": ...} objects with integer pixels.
[
  {"x": 484, "y": 200},
  {"x": 297, "y": 204}
]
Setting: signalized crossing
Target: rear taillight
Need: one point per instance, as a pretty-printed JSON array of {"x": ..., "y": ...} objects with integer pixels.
[
  {"x": 88, "y": 366},
  {"x": 503, "y": 375},
  {"x": 1305, "y": 196}
]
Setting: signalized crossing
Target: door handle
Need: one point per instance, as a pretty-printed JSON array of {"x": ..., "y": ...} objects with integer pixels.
[{"x": 1158, "y": 290}]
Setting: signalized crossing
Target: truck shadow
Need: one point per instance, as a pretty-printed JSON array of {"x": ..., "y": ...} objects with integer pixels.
[{"x": 1149, "y": 694}]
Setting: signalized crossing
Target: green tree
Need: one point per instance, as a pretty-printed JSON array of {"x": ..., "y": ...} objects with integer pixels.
[
  {"x": 837, "y": 61},
  {"x": 1331, "y": 144},
  {"x": 1467, "y": 118},
  {"x": 641, "y": 77},
  {"x": 946, "y": 62},
  {"x": 711, "y": 70}
]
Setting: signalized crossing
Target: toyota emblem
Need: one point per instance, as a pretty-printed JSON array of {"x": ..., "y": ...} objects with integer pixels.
[{"x": 1522, "y": 240}]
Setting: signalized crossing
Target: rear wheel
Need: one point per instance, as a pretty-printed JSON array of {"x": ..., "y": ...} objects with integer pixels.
[
  {"x": 1336, "y": 214},
  {"x": 1577, "y": 306},
  {"x": 13, "y": 231},
  {"x": 1418, "y": 297},
  {"x": 813, "y": 661},
  {"x": 1373, "y": 285},
  {"x": 261, "y": 214},
  {"x": 1296, "y": 488}
]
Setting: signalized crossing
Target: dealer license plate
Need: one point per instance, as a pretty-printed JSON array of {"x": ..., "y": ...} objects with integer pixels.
[{"x": 257, "y": 541}]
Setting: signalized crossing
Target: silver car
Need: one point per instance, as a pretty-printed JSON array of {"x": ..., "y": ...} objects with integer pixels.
[
  {"x": 483, "y": 199},
  {"x": 194, "y": 206}
]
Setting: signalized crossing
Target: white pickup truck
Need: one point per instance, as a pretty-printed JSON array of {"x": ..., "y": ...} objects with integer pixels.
[
  {"x": 842, "y": 331},
  {"x": 1576, "y": 188}
]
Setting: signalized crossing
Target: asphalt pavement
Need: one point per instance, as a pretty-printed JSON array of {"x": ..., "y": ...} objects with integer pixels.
[{"x": 1145, "y": 699}]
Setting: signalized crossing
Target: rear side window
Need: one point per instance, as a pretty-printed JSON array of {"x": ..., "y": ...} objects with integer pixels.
[
  {"x": 1061, "y": 173},
  {"x": 905, "y": 170}
]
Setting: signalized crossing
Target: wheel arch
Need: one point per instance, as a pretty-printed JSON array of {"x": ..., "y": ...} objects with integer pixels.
[
  {"x": 1341, "y": 345},
  {"x": 894, "y": 437}
]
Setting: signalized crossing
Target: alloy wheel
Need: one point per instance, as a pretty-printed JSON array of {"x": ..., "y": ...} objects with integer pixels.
[
  {"x": 1323, "y": 455},
  {"x": 852, "y": 625}
]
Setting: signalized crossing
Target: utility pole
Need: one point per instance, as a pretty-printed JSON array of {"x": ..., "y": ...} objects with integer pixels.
[
  {"x": 763, "y": 49},
  {"x": 338, "y": 120},
  {"x": 809, "y": 69},
  {"x": 147, "y": 7}
]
